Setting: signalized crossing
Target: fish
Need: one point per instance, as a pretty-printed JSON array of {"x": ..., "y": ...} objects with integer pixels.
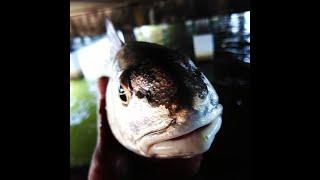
[{"x": 158, "y": 103}]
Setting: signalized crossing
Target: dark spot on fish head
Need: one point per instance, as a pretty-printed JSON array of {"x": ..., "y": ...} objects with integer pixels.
[{"x": 139, "y": 94}]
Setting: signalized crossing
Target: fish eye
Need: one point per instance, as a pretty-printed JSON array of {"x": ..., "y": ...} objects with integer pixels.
[{"x": 124, "y": 94}]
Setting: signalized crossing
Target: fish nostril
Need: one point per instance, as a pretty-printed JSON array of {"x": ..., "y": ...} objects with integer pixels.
[{"x": 173, "y": 122}]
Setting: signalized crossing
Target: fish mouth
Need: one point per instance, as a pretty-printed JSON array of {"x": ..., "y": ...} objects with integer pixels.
[
  {"x": 187, "y": 145},
  {"x": 190, "y": 137}
]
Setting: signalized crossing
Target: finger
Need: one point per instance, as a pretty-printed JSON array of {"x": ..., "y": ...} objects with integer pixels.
[{"x": 102, "y": 86}]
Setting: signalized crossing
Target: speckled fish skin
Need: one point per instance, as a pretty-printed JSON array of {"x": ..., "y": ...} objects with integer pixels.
[{"x": 173, "y": 110}]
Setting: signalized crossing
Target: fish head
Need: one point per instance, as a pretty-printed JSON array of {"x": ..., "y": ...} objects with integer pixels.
[{"x": 159, "y": 104}]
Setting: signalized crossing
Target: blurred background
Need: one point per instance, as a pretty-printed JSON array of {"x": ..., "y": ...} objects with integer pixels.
[{"x": 214, "y": 33}]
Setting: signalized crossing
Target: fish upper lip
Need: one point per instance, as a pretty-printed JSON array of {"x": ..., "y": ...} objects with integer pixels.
[
  {"x": 196, "y": 128},
  {"x": 159, "y": 131},
  {"x": 190, "y": 131}
]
